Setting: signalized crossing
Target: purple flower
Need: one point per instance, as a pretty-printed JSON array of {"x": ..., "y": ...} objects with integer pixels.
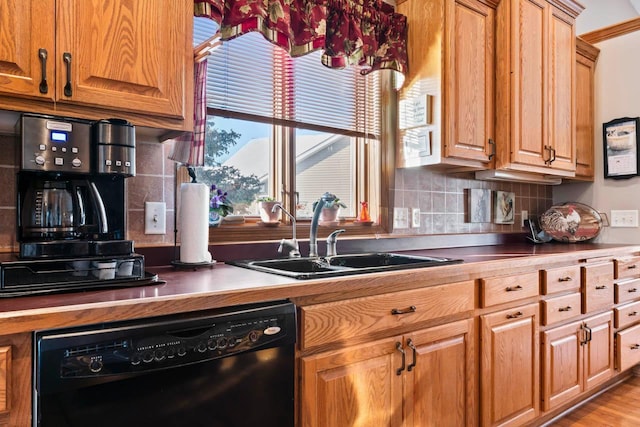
[{"x": 219, "y": 202}]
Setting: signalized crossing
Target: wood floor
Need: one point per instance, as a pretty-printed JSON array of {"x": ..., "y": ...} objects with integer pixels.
[{"x": 618, "y": 407}]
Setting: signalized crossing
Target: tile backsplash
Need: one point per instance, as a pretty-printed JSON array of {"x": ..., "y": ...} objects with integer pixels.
[
  {"x": 442, "y": 198},
  {"x": 439, "y": 196},
  {"x": 154, "y": 182}
]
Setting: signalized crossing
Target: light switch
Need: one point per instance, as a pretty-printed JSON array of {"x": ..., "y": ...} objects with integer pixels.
[{"x": 155, "y": 218}]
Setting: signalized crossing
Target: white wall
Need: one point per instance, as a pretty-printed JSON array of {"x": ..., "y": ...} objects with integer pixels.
[
  {"x": 617, "y": 94},
  {"x": 602, "y": 13}
]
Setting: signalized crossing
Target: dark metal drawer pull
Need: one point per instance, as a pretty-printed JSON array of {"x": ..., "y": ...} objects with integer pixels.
[
  {"x": 565, "y": 279},
  {"x": 635, "y": 347},
  {"x": 567, "y": 308},
  {"x": 600, "y": 287},
  {"x": 515, "y": 315},
  {"x": 632, "y": 290},
  {"x": 415, "y": 354},
  {"x": 631, "y": 267},
  {"x": 401, "y": 350},
  {"x": 514, "y": 288},
  {"x": 633, "y": 313},
  {"x": 411, "y": 309}
]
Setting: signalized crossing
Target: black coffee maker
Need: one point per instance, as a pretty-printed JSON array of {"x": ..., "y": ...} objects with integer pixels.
[{"x": 71, "y": 189}]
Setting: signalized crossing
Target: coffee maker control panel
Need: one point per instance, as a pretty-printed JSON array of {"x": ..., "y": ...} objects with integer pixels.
[{"x": 53, "y": 145}]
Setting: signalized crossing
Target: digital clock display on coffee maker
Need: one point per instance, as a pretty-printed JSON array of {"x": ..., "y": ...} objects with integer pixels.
[{"x": 58, "y": 136}]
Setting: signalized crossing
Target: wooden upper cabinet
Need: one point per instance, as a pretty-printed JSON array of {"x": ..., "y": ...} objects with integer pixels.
[
  {"x": 586, "y": 57},
  {"x": 124, "y": 54},
  {"x": 23, "y": 50},
  {"x": 451, "y": 48},
  {"x": 469, "y": 77},
  {"x": 535, "y": 89},
  {"x": 121, "y": 58}
]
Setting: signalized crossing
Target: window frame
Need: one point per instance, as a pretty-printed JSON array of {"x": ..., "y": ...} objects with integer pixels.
[{"x": 375, "y": 170}]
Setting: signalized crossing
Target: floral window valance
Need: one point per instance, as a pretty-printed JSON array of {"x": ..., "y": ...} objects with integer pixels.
[{"x": 367, "y": 33}]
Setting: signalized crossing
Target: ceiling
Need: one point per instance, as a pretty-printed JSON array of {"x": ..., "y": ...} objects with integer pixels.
[{"x": 599, "y": 13}]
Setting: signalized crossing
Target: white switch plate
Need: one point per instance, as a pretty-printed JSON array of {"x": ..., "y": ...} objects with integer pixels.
[
  {"x": 415, "y": 218},
  {"x": 400, "y": 218},
  {"x": 624, "y": 218},
  {"x": 155, "y": 218},
  {"x": 524, "y": 215}
]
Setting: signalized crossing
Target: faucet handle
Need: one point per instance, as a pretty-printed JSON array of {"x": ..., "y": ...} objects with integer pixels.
[{"x": 332, "y": 239}]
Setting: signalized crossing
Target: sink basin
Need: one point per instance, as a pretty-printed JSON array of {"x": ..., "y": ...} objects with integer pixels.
[{"x": 342, "y": 265}]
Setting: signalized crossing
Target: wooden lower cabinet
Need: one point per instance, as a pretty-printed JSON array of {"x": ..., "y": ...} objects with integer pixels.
[
  {"x": 510, "y": 366},
  {"x": 576, "y": 357},
  {"x": 15, "y": 380},
  {"x": 425, "y": 378}
]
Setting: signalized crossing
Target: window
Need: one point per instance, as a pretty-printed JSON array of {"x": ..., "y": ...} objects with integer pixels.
[{"x": 288, "y": 128}]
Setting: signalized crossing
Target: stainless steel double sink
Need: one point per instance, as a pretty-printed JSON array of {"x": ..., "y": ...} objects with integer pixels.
[{"x": 342, "y": 265}]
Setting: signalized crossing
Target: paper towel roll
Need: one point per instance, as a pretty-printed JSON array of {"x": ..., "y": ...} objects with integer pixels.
[{"x": 194, "y": 223}]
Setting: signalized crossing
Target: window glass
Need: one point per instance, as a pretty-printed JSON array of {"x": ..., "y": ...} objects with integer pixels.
[
  {"x": 237, "y": 160},
  {"x": 324, "y": 162}
]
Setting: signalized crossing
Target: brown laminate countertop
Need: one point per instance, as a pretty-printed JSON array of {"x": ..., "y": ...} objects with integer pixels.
[{"x": 226, "y": 285}]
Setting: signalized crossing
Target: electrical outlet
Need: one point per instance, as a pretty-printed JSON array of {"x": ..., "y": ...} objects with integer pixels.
[
  {"x": 524, "y": 215},
  {"x": 400, "y": 218},
  {"x": 415, "y": 218},
  {"x": 624, "y": 218},
  {"x": 155, "y": 218}
]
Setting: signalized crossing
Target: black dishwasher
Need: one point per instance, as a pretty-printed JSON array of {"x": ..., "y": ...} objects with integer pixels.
[{"x": 218, "y": 368}]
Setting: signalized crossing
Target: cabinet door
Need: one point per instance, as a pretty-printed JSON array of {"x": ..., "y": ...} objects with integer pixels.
[
  {"x": 440, "y": 385},
  {"x": 469, "y": 77},
  {"x": 510, "y": 366},
  {"x": 16, "y": 386},
  {"x": 598, "y": 357},
  {"x": 20, "y": 63},
  {"x": 585, "y": 70},
  {"x": 562, "y": 377},
  {"x": 530, "y": 74},
  {"x": 561, "y": 92},
  {"x": 357, "y": 386},
  {"x": 125, "y": 54}
]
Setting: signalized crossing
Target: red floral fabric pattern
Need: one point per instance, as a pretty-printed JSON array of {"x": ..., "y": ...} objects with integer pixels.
[{"x": 367, "y": 33}]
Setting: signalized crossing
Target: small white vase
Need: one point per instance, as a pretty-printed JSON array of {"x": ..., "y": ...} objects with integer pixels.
[{"x": 266, "y": 214}]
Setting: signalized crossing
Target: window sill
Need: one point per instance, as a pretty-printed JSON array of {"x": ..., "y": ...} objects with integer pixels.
[{"x": 252, "y": 231}]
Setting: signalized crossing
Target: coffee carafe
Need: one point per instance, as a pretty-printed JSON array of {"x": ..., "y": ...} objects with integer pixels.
[{"x": 61, "y": 209}]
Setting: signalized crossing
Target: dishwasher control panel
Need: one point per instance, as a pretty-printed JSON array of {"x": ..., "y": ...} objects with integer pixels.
[{"x": 152, "y": 345}]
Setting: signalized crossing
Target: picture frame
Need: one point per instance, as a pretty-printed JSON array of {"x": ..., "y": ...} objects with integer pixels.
[
  {"x": 479, "y": 205},
  {"x": 620, "y": 145},
  {"x": 504, "y": 207}
]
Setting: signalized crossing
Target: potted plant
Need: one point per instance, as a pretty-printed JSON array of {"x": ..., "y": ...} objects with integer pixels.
[
  {"x": 219, "y": 206},
  {"x": 265, "y": 209},
  {"x": 330, "y": 211}
]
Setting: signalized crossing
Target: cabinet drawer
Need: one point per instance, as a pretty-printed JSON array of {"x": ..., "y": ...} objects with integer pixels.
[
  {"x": 627, "y": 291},
  {"x": 498, "y": 290},
  {"x": 561, "y": 308},
  {"x": 627, "y": 314},
  {"x": 597, "y": 287},
  {"x": 627, "y": 267},
  {"x": 343, "y": 320},
  {"x": 628, "y": 347},
  {"x": 560, "y": 279}
]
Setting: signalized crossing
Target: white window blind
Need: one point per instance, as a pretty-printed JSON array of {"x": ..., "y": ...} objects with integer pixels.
[{"x": 251, "y": 78}]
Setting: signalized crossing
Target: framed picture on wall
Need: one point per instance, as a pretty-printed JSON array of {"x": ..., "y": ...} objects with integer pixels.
[
  {"x": 479, "y": 205},
  {"x": 504, "y": 207},
  {"x": 620, "y": 144}
]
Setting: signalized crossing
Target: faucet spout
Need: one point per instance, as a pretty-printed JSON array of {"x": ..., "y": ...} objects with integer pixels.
[
  {"x": 313, "y": 232},
  {"x": 294, "y": 250}
]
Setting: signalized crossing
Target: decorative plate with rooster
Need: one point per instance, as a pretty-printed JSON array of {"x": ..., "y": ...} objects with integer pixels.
[{"x": 571, "y": 222}]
